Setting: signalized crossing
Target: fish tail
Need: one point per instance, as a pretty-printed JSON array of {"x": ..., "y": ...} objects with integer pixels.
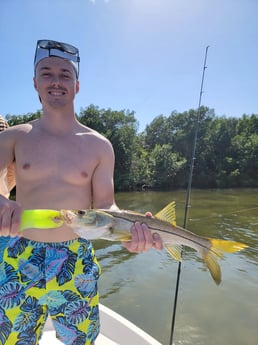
[
  {"x": 227, "y": 246},
  {"x": 40, "y": 219},
  {"x": 215, "y": 252}
]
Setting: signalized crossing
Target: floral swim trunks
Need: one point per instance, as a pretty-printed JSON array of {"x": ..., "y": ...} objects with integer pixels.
[{"x": 38, "y": 279}]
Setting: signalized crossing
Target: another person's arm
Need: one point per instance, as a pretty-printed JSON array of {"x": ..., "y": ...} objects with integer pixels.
[
  {"x": 10, "y": 211},
  {"x": 11, "y": 181}
]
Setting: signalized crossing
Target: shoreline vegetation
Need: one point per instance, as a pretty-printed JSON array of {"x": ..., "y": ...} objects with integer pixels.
[{"x": 158, "y": 158}]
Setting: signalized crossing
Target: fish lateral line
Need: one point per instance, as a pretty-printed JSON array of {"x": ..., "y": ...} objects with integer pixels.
[
  {"x": 214, "y": 243},
  {"x": 168, "y": 231}
]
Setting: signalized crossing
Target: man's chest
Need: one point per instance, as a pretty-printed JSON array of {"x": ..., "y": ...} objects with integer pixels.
[{"x": 71, "y": 160}]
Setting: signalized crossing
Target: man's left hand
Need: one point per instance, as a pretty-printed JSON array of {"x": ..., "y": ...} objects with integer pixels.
[{"x": 143, "y": 239}]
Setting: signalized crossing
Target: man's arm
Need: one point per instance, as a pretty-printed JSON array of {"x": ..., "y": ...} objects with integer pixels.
[
  {"x": 103, "y": 197},
  {"x": 102, "y": 179}
]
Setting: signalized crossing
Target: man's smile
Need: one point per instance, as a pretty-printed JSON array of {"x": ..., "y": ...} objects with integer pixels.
[{"x": 56, "y": 93}]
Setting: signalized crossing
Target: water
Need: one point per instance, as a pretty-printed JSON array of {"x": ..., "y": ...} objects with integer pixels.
[{"x": 141, "y": 287}]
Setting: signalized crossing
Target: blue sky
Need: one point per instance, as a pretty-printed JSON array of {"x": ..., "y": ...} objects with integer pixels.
[{"x": 142, "y": 55}]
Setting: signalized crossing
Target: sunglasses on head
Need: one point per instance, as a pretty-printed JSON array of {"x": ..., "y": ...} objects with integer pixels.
[{"x": 46, "y": 48}]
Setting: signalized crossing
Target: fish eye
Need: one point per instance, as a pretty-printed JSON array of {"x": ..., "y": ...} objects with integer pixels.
[{"x": 81, "y": 212}]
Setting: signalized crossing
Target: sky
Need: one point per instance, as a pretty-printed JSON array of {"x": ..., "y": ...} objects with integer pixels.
[{"x": 145, "y": 56}]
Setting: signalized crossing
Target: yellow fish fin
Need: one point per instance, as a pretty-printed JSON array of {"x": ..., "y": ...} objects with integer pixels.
[
  {"x": 40, "y": 219},
  {"x": 213, "y": 266},
  {"x": 227, "y": 246},
  {"x": 216, "y": 252},
  {"x": 168, "y": 214},
  {"x": 175, "y": 251}
]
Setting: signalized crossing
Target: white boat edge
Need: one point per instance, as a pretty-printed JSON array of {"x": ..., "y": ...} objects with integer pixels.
[{"x": 115, "y": 330}]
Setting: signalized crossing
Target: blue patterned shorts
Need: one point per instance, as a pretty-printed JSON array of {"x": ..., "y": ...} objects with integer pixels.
[{"x": 39, "y": 279}]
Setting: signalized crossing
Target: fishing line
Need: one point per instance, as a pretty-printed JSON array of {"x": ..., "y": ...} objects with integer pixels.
[{"x": 188, "y": 194}]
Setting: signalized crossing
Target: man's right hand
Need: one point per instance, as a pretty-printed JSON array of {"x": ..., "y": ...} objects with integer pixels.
[{"x": 10, "y": 215}]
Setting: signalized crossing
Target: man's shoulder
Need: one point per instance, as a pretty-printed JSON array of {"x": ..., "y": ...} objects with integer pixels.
[
  {"x": 98, "y": 142},
  {"x": 17, "y": 130},
  {"x": 94, "y": 135}
]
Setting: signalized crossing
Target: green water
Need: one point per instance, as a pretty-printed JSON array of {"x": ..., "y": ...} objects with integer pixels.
[{"x": 141, "y": 287}]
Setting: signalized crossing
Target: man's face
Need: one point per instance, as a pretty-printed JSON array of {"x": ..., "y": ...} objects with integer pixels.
[{"x": 55, "y": 80}]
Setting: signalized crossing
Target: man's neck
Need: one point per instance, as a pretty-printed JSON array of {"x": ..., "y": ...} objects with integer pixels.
[{"x": 58, "y": 120}]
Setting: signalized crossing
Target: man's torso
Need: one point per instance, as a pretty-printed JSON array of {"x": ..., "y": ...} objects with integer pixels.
[{"x": 54, "y": 172}]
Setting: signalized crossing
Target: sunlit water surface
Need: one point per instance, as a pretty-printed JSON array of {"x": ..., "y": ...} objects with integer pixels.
[{"x": 141, "y": 287}]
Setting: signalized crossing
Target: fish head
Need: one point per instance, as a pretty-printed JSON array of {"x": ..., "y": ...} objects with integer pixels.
[{"x": 89, "y": 224}]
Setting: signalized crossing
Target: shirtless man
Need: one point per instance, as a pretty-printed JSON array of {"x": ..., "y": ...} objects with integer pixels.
[{"x": 59, "y": 164}]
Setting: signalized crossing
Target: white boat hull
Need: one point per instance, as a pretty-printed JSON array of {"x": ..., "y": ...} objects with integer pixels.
[{"x": 115, "y": 330}]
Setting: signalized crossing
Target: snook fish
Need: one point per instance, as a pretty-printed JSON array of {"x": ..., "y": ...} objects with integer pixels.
[{"x": 115, "y": 225}]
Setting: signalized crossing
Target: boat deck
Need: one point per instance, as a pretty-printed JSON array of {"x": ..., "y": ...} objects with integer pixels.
[
  {"x": 115, "y": 330},
  {"x": 49, "y": 338}
]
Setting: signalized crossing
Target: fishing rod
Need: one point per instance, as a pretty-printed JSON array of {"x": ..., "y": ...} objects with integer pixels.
[{"x": 188, "y": 194}]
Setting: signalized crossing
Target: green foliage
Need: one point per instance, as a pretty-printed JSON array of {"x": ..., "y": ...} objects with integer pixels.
[
  {"x": 226, "y": 151},
  {"x": 164, "y": 165},
  {"x": 19, "y": 119},
  {"x": 120, "y": 127}
]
